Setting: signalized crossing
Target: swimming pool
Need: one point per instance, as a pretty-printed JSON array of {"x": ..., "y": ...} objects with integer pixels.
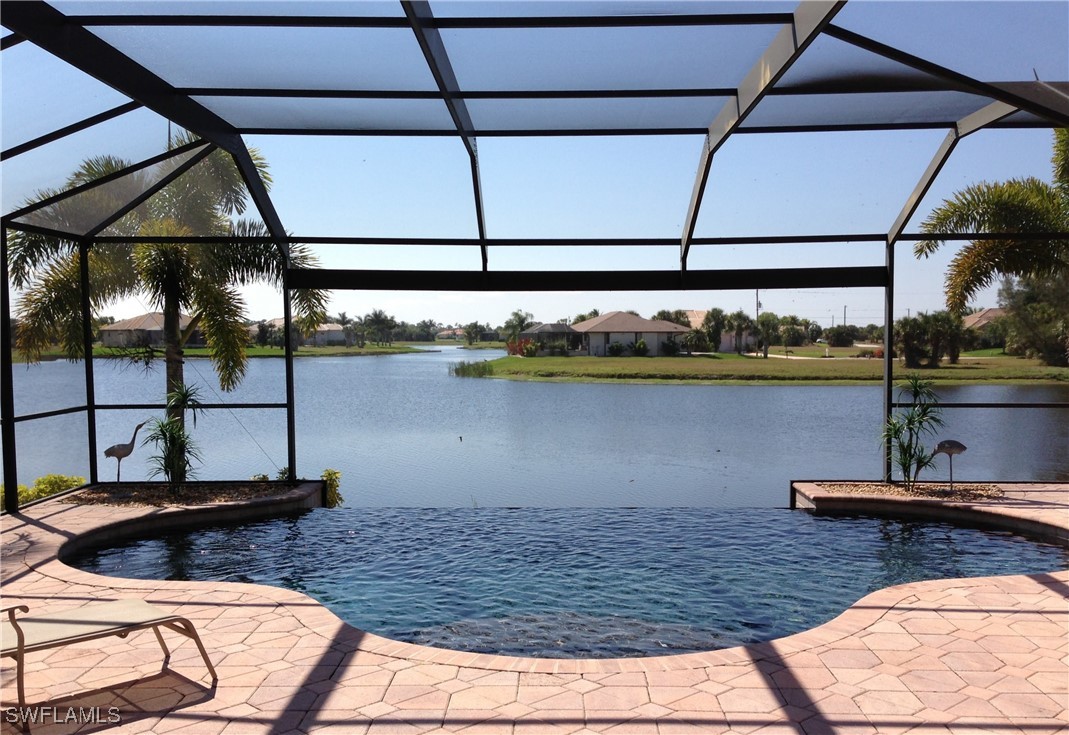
[{"x": 579, "y": 582}]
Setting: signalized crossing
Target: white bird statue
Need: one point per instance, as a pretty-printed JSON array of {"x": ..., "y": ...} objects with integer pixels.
[
  {"x": 949, "y": 447},
  {"x": 121, "y": 451}
]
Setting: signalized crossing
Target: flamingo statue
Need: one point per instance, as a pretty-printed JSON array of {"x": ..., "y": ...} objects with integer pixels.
[
  {"x": 121, "y": 451},
  {"x": 949, "y": 447}
]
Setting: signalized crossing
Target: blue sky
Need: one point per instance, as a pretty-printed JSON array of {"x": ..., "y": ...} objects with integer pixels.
[
  {"x": 812, "y": 183},
  {"x": 802, "y": 183}
]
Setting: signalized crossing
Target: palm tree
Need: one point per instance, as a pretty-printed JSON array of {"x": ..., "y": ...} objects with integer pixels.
[
  {"x": 768, "y": 329},
  {"x": 202, "y": 279},
  {"x": 380, "y": 324},
  {"x": 713, "y": 324},
  {"x": 518, "y": 321},
  {"x": 1007, "y": 207},
  {"x": 738, "y": 322}
]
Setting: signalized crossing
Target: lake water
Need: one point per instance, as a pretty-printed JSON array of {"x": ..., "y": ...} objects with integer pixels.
[{"x": 404, "y": 433}]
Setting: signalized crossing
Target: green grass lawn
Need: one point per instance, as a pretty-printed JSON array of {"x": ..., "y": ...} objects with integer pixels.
[{"x": 747, "y": 369}]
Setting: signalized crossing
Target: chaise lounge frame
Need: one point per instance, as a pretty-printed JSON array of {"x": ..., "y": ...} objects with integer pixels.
[{"x": 95, "y": 620}]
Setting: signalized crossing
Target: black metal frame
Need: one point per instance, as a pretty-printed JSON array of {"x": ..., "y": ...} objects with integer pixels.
[{"x": 68, "y": 38}]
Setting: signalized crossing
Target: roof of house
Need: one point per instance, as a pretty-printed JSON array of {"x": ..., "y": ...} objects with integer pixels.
[
  {"x": 622, "y": 321},
  {"x": 555, "y": 328},
  {"x": 151, "y": 321},
  {"x": 982, "y": 318},
  {"x": 330, "y": 327},
  {"x": 696, "y": 317}
]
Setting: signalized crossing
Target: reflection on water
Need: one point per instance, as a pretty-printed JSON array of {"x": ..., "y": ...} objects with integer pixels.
[{"x": 392, "y": 426}]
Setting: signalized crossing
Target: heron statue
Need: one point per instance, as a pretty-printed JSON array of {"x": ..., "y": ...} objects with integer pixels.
[
  {"x": 121, "y": 451},
  {"x": 949, "y": 447}
]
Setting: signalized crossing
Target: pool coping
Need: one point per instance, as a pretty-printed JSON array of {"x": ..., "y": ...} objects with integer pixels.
[{"x": 34, "y": 544}]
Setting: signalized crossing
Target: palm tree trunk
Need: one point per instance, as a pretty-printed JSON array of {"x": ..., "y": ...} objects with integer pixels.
[{"x": 173, "y": 355}]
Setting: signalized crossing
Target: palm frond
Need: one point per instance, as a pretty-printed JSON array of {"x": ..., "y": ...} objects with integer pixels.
[{"x": 221, "y": 310}]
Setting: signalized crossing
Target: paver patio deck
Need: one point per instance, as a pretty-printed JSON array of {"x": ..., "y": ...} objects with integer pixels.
[{"x": 955, "y": 657}]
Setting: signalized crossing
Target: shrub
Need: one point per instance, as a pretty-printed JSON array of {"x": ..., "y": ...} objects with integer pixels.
[
  {"x": 839, "y": 337},
  {"x": 616, "y": 349},
  {"x": 520, "y": 347},
  {"x": 669, "y": 348},
  {"x": 47, "y": 485},
  {"x": 331, "y": 481},
  {"x": 558, "y": 347},
  {"x": 529, "y": 348},
  {"x": 640, "y": 348}
]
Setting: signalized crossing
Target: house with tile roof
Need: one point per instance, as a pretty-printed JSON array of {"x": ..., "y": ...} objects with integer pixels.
[
  {"x": 145, "y": 330},
  {"x": 980, "y": 319},
  {"x": 626, "y": 329}
]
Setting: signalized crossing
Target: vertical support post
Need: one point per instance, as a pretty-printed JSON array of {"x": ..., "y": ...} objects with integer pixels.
[
  {"x": 7, "y": 386},
  {"x": 888, "y": 347},
  {"x": 87, "y": 348},
  {"x": 291, "y": 418}
]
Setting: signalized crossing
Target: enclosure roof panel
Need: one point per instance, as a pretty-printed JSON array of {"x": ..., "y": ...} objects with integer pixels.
[{"x": 466, "y": 70}]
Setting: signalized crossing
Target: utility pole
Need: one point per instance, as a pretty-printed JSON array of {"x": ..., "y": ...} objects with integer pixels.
[{"x": 844, "y": 315}]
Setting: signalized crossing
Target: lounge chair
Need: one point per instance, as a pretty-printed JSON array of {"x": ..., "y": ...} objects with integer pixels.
[{"x": 19, "y": 636}]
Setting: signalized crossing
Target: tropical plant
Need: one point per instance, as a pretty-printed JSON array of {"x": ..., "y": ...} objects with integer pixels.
[
  {"x": 639, "y": 349},
  {"x": 713, "y": 324},
  {"x": 840, "y": 336},
  {"x": 738, "y": 322},
  {"x": 906, "y": 429},
  {"x": 176, "y": 449},
  {"x": 694, "y": 341},
  {"x": 1009, "y": 207},
  {"x": 472, "y": 332},
  {"x": 911, "y": 341},
  {"x": 380, "y": 325},
  {"x": 517, "y": 322},
  {"x": 331, "y": 482},
  {"x": 265, "y": 333},
  {"x": 588, "y": 315},
  {"x": 524, "y": 347},
  {"x": 1037, "y": 318},
  {"x": 676, "y": 316},
  {"x": 615, "y": 349},
  {"x": 202, "y": 279},
  {"x": 767, "y": 329}
]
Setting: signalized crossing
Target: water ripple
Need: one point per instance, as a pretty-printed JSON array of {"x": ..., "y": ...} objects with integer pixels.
[{"x": 580, "y": 582}]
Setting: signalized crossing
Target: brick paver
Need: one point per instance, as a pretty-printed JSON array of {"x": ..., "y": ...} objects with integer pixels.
[{"x": 984, "y": 655}]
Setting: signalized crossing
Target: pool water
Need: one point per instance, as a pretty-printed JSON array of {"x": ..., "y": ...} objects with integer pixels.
[{"x": 579, "y": 582}]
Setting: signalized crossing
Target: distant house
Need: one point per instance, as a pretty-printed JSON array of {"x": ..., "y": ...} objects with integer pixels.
[
  {"x": 980, "y": 319},
  {"x": 697, "y": 319},
  {"x": 329, "y": 334},
  {"x": 457, "y": 333},
  {"x": 548, "y": 333},
  {"x": 280, "y": 326},
  {"x": 624, "y": 328},
  {"x": 144, "y": 331}
]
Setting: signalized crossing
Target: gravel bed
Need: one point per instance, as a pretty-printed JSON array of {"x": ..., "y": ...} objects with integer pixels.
[
  {"x": 937, "y": 491},
  {"x": 163, "y": 495}
]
